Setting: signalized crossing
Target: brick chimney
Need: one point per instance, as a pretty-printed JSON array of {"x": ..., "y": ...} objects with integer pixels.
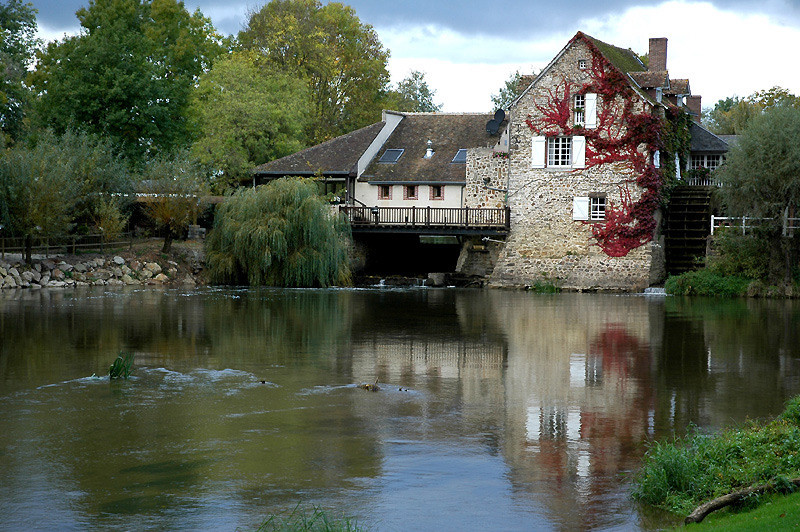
[
  {"x": 658, "y": 54},
  {"x": 694, "y": 104}
]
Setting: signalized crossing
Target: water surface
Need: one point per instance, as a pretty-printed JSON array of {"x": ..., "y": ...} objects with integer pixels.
[{"x": 498, "y": 410}]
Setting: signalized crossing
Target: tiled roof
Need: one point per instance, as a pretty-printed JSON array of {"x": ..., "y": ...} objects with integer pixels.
[
  {"x": 705, "y": 141},
  {"x": 336, "y": 156},
  {"x": 678, "y": 86},
  {"x": 650, "y": 80},
  {"x": 448, "y": 134}
]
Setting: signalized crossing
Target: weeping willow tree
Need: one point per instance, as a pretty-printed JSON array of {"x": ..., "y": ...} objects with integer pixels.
[{"x": 280, "y": 234}]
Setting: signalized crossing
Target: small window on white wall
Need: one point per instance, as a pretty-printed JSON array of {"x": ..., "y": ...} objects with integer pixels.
[{"x": 384, "y": 192}]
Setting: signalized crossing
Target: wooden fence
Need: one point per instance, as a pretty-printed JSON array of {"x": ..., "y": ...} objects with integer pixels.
[{"x": 71, "y": 244}]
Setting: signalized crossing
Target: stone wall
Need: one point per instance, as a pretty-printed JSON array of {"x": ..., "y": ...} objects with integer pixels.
[
  {"x": 545, "y": 243},
  {"x": 99, "y": 271}
]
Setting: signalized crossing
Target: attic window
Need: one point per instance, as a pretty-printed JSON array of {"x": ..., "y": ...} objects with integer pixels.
[
  {"x": 391, "y": 156},
  {"x": 582, "y": 64},
  {"x": 461, "y": 157}
]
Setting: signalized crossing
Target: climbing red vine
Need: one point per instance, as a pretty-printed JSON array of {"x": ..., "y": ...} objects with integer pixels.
[{"x": 623, "y": 135}]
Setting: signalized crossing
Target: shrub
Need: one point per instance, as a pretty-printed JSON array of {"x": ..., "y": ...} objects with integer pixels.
[
  {"x": 280, "y": 234},
  {"x": 706, "y": 283},
  {"x": 740, "y": 255},
  {"x": 680, "y": 475}
]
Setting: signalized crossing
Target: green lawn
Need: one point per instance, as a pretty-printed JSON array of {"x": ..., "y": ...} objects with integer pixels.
[{"x": 775, "y": 513}]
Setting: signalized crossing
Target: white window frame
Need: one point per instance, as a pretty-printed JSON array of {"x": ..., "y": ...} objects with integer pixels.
[
  {"x": 559, "y": 152},
  {"x": 583, "y": 64},
  {"x": 579, "y": 116},
  {"x": 597, "y": 208},
  {"x": 704, "y": 160},
  {"x": 388, "y": 189}
]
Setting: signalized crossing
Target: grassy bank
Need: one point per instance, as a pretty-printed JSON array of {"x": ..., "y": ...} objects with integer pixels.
[
  {"x": 680, "y": 475},
  {"x": 709, "y": 283},
  {"x": 775, "y": 513}
]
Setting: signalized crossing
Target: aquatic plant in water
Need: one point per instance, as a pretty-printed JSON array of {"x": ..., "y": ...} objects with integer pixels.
[
  {"x": 122, "y": 366},
  {"x": 317, "y": 521}
]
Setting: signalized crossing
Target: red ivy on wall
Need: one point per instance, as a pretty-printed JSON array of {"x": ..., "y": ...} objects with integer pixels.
[{"x": 620, "y": 134}]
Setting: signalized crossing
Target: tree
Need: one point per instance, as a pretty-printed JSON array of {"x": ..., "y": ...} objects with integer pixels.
[
  {"x": 244, "y": 115},
  {"x": 341, "y": 60},
  {"x": 37, "y": 190},
  {"x": 175, "y": 186},
  {"x": 509, "y": 91},
  {"x": 413, "y": 95},
  {"x": 280, "y": 234},
  {"x": 761, "y": 179},
  {"x": 128, "y": 75},
  {"x": 731, "y": 116},
  {"x": 17, "y": 47}
]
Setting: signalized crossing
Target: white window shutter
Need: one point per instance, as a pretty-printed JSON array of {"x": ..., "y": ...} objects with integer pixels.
[
  {"x": 579, "y": 152},
  {"x": 591, "y": 111},
  {"x": 580, "y": 208},
  {"x": 538, "y": 151},
  {"x": 657, "y": 159}
]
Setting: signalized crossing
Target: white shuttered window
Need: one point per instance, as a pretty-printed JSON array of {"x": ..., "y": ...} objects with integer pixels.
[
  {"x": 591, "y": 111},
  {"x": 538, "y": 149},
  {"x": 580, "y": 208}
]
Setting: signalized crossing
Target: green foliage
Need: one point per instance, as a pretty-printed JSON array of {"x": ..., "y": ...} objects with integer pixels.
[
  {"x": 775, "y": 512},
  {"x": 740, "y": 255},
  {"x": 176, "y": 185},
  {"x": 315, "y": 521},
  {"x": 732, "y": 115},
  {"x": 243, "y": 115},
  {"x": 122, "y": 366},
  {"x": 128, "y": 74},
  {"x": 544, "y": 286},
  {"x": 508, "y": 92},
  {"x": 341, "y": 60},
  {"x": 706, "y": 283},
  {"x": 761, "y": 179},
  {"x": 413, "y": 95},
  {"x": 17, "y": 46},
  {"x": 680, "y": 475},
  {"x": 280, "y": 234}
]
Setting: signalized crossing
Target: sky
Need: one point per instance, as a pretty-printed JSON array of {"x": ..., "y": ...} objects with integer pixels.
[{"x": 468, "y": 49}]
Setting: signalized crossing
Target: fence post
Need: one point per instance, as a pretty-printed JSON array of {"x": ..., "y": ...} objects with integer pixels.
[
  {"x": 786, "y": 221},
  {"x": 744, "y": 224},
  {"x": 413, "y": 215},
  {"x": 712, "y": 225},
  {"x": 428, "y": 216}
]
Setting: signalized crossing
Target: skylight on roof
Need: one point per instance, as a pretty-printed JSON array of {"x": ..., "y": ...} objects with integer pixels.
[
  {"x": 391, "y": 156},
  {"x": 461, "y": 156}
]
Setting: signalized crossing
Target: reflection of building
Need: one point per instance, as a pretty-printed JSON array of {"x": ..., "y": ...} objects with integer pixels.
[{"x": 579, "y": 399}]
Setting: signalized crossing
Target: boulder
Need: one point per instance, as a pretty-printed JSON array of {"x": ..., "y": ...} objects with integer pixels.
[
  {"x": 3, "y": 272},
  {"x": 127, "y": 279},
  {"x": 161, "y": 278},
  {"x": 117, "y": 272},
  {"x": 38, "y": 266},
  {"x": 145, "y": 274},
  {"x": 9, "y": 282},
  {"x": 48, "y": 264},
  {"x": 126, "y": 270},
  {"x": 55, "y": 284},
  {"x": 81, "y": 267},
  {"x": 119, "y": 261},
  {"x": 27, "y": 276},
  {"x": 36, "y": 276},
  {"x": 45, "y": 279},
  {"x": 13, "y": 272},
  {"x": 57, "y": 274},
  {"x": 153, "y": 267},
  {"x": 188, "y": 280},
  {"x": 115, "y": 282},
  {"x": 65, "y": 266}
]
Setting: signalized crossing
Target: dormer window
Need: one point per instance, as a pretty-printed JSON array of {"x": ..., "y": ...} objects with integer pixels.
[
  {"x": 582, "y": 64},
  {"x": 461, "y": 157},
  {"x": 391, "y": 156}
]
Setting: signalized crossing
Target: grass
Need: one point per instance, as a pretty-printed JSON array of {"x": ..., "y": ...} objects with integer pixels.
[
  {"x": 122, "y": 366},
  {"x": 315, "y": 520},
  {"x": 706, "y": 283},
  {"x": 777, "y": 512},
  {"x": 680, "y": 475},
  {"x": 544, "y": 287}
]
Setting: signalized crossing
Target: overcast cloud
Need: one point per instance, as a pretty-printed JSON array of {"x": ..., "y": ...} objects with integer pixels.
[{"x": 468, "y": 49}]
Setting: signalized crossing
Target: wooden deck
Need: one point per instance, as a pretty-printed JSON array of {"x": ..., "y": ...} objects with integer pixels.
[{"x": 428, "y": 220}]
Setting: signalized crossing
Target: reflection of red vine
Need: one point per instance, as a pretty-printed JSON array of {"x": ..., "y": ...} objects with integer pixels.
[
  {"x": 619, "y": 137},
  {"x": 621, "y": 352}
]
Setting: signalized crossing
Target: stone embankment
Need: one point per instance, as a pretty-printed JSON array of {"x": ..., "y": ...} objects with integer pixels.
[{"x": 98, "y": 271}]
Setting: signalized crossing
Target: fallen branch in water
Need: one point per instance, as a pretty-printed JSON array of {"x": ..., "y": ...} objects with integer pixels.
[{"x": 703, "y": 510}]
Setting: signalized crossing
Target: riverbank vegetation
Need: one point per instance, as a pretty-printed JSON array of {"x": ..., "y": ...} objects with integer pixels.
[
  {"x": 680, "y": 475},
  {"x": 760, "y": 180},
  {"x": 315, "y": 520},
  {"x": 281, "y": 234}
]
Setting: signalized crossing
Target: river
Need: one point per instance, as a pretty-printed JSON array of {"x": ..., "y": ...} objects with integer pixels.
[{"x": 498, "y": 410}]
